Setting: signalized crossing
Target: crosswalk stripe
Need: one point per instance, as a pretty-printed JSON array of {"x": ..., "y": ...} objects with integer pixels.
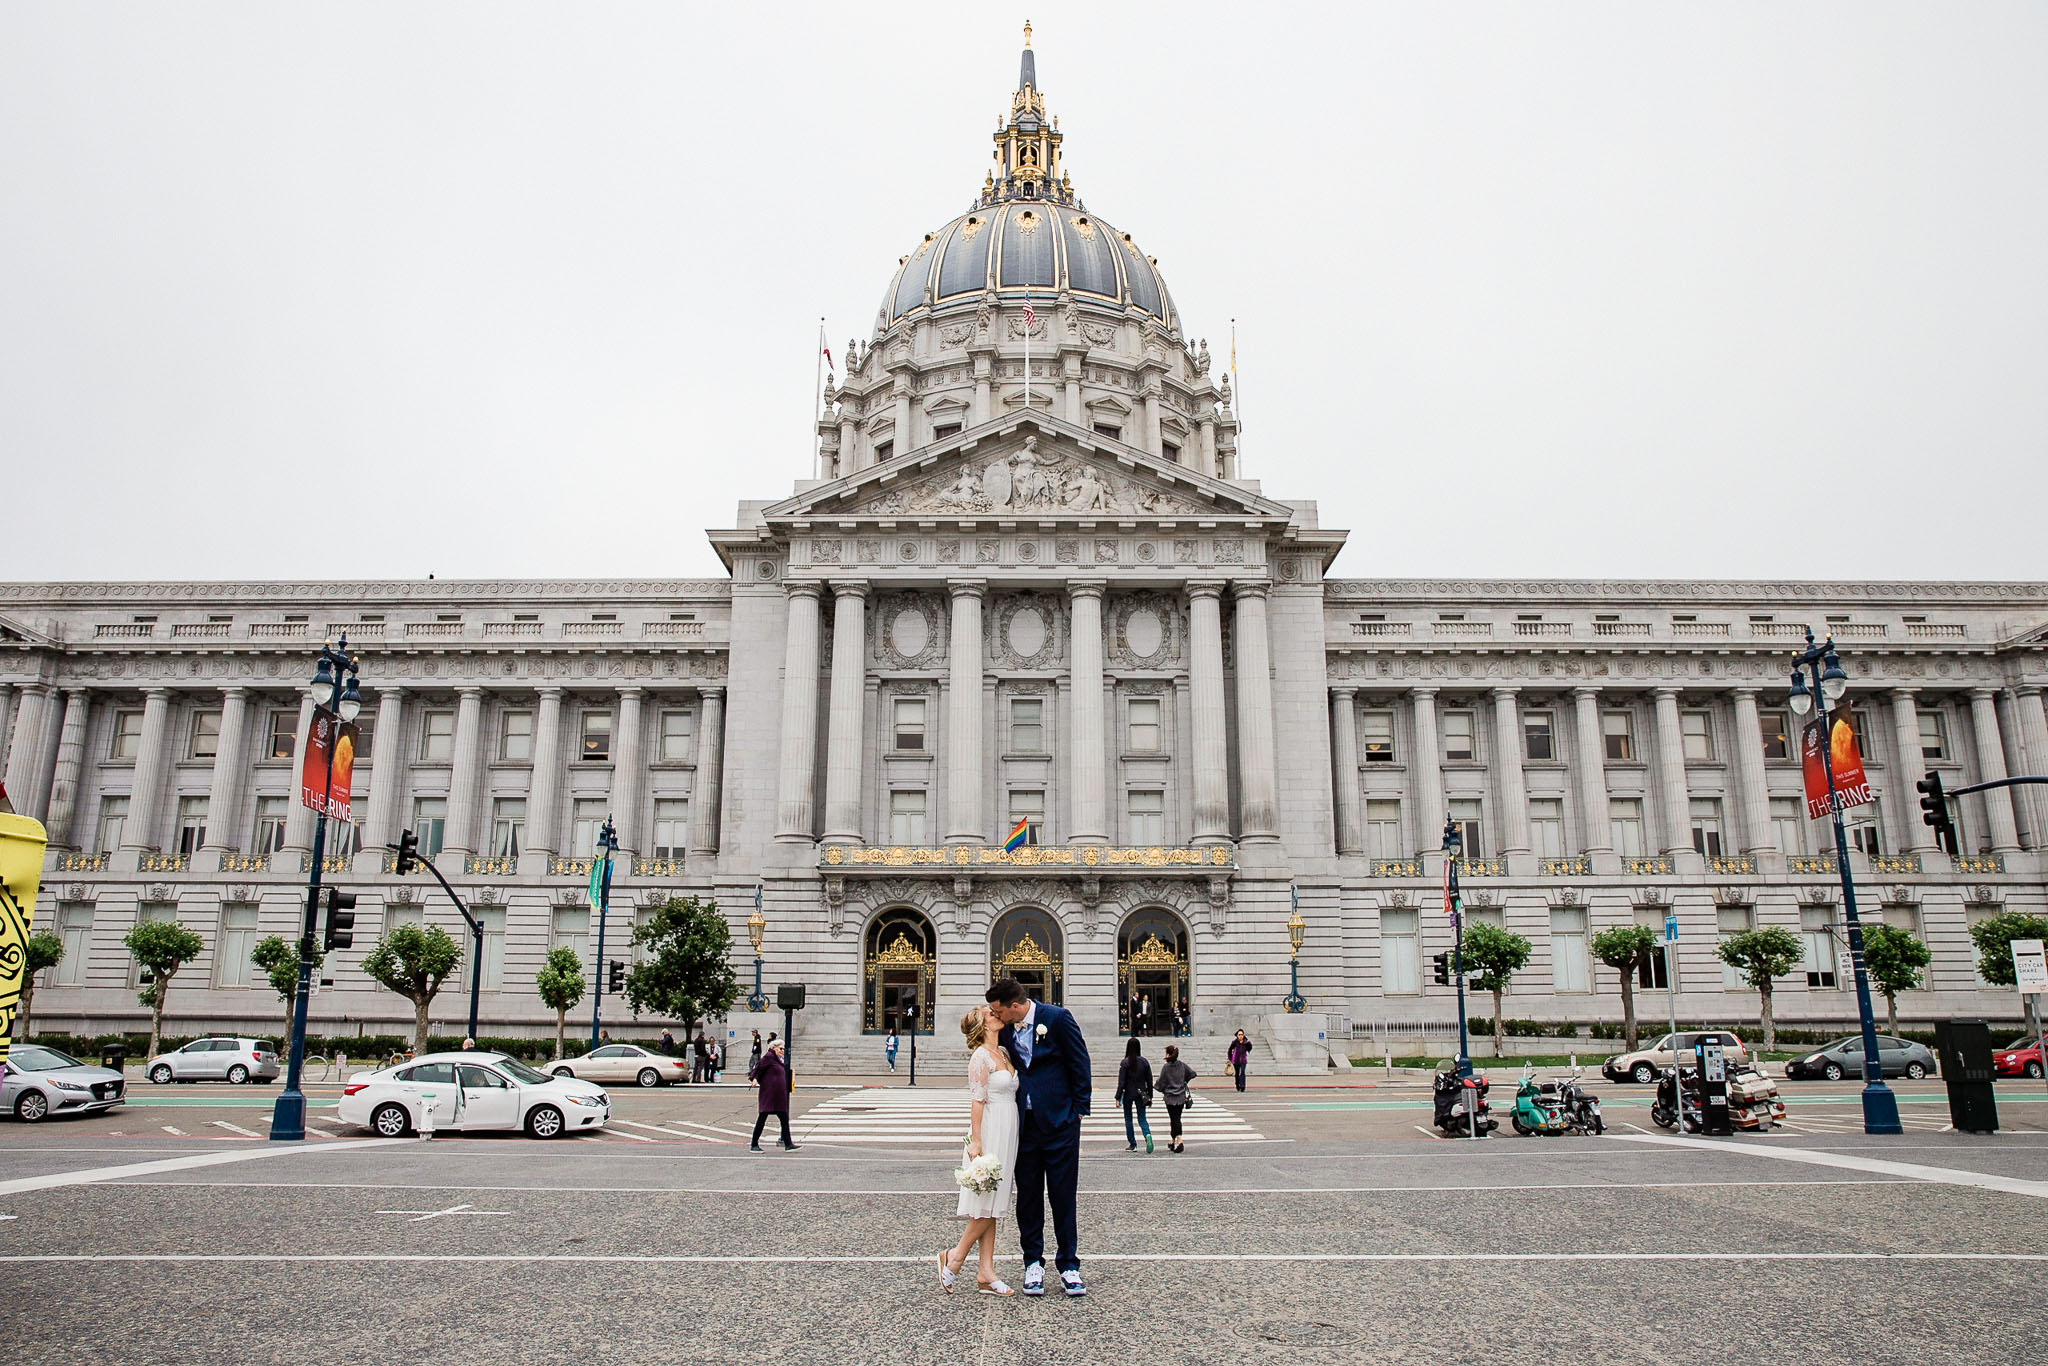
[{"x": 939, "y": 1118}]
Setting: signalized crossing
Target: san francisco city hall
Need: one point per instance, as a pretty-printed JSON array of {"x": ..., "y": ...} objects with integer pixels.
[{"x": 1072, "y": 608}]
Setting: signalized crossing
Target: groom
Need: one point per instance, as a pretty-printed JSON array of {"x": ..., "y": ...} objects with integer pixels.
[{"x": 1053, "y": 1092}]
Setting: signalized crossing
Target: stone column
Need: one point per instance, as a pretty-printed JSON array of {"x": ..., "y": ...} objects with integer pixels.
[
  {"x": 21, "y": 753},
  {"x": 1205, "y": 701},
  {"x": 70, "y": 767},
  {"x": 629, "y": 775},
  {"x": 704, "y": 792},
  {"x": 1071, "y": 371},
  {"x": 1594, "y": 818},
  {"x": 6, "y": 722},
  {"x": 1427, "y": 768},
  {"x": 1150, "y": 436},
  {"x": 849, "y": 440},
  {"x": 1514, "y": 791},
  {"x": 793, "y": 817},
  {"x": 900, "y": 439},
  {"x": 1258, "y": 785},
  {"x": 466, "y": 775},
  {"x": 845, "y": 734},
  {"x": 1752, "y": 794},
  {"x": 1914, "y": 833},
  {"x": 1089, "y": 801},
  {"x": 1205, "y": 457},
  {"x": 1344, "y": 740},
  {"x": 2033, "y": 719},
  {"x": 228, "y": 758},
  {"x": 2005, "y": 835},
  {"x": 387, "y": 768},
  {"x": 964, "y": 724},
  {"x": 1671, "y": 789},
  {"x": 298, "y": 817},
  {"x": 145, "y": 798}
]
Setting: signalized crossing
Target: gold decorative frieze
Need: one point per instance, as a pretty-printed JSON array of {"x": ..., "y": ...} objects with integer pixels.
[
  {"x": 1658, "y": 866},
  {"x": 657, "y": 867},
  {"x": 246, "y": 863},
  {"x": 568, "y": 867},
  {"x": 1482, "y": 867},
  {"x": 1397, "y": 867},
  {"x": 81, "y": 863},
  {"x": 1578, "y": 865},
  {"x": 1731, "y": 863},
  {"x": 1895, "y": 863},
  {"x": 480, "y": 865},
  {"x": 1812, "y": 865},
  {"x": 1980, "y": 863},
  {"x": 1093, "y": 856},
  {"x": 329, "y": 863},
  {"x": 163, "y": 863}
]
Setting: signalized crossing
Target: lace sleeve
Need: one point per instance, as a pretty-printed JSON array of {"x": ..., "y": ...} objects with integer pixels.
[{"x": 977, "y": 1075}]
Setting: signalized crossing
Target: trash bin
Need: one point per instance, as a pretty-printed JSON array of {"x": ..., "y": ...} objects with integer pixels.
[
  {"x": 1965, "y": 1049},
  {"x": 115, "y": 1056}
]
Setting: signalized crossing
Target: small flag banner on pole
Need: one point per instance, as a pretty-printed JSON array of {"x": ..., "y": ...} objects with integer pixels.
[
  {"x": 597, "y": 877},
  {"x": 1018, "y": 834}
]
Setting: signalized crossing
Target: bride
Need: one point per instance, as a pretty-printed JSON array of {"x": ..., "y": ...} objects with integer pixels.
[{"x": 992, "y": 1131}]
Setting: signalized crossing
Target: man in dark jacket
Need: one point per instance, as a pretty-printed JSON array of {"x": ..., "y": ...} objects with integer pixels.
[
  {"x": 1053, "y": 1094},
  {"x": 700, "y": 1055}
]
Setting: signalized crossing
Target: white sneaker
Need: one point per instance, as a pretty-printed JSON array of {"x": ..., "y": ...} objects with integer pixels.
[
  {"x": 1072, "y": 1281},
  {"x": 1034, "y": 1279}
]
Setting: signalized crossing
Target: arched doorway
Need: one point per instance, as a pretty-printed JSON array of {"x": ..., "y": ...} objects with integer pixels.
[
  {"x": 1152, "y": 972},
  {"x": 1026, "y": 944},
  {"x": 900, "y": 971}
]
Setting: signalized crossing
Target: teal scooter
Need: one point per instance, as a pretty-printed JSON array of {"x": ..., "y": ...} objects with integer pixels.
[{"x": 1537, "y": 1107}]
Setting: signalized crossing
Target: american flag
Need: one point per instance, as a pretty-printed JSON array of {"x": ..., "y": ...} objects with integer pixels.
[{"x": 1030, "y": 314}]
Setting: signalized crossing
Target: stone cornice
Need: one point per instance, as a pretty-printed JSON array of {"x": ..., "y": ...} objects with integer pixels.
[
  {"x": 1733, "y": 591},
  {"x": 367, "y": 592}
]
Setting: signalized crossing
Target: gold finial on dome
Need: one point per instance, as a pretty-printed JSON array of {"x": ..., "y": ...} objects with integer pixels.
[{"x": 1027, "y": 33}]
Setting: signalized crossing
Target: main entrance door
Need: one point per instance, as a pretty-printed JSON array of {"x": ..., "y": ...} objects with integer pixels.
[
  {"x": 1026, "y": 944},
  {"x": 1153, "y": 981},
  {"x": 900, "y": 972}
]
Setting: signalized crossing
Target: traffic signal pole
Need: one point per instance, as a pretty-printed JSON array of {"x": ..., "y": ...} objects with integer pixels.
[{"x": 407, "y": 850}]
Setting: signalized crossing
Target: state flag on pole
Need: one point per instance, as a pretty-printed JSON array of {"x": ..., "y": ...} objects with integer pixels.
[{"x": 1018, "y": 834}]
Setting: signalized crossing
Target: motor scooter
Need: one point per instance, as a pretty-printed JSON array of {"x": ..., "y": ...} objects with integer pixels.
[
  {"x": 1578, "y": 1107},
  {"x": 1536, "y": 1107},
  {"x": 1461, "y": 1108}
]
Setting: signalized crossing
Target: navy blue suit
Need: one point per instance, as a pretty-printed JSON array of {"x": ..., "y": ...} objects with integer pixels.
[{"x": 1053, "y": 1093}]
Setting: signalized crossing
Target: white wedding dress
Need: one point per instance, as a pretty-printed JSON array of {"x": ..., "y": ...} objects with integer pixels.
[{"x": 995, "y": 1085}]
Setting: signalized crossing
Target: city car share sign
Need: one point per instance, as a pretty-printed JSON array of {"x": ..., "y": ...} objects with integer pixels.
[
  {"x": 1852, "y": 788},
  {"x": 2029, "y": 966},
  {"x": 325, "y": 788}
]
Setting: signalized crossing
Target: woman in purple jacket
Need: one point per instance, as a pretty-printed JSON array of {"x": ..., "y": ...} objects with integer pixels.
[
  {"x": 1239, "y": 1054},
  {"x": 772, "y": 1075}
]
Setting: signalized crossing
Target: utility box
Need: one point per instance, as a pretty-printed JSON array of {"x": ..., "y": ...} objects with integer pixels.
[
  {"x": 789, "y": 996},
  {"x": 114, "y": 1056},
  {"x": 1711, "y": 1052},
  {"x": 1965, "y": 1050}
]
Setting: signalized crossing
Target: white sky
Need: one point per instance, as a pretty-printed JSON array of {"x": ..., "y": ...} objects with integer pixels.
[{"x": 531, "y": 290}]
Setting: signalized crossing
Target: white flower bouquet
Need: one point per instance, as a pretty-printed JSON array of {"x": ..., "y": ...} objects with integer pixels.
[{"x": 982, "y": 1175}]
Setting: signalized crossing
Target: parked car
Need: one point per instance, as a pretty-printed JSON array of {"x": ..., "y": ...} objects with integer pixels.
[
  {"x": 1644, "y": 1064},
  {"x": 36, "y": 1082},
  {"x": 495, "y": 1092},
  {"x": 2020, "y": 1058},
  {"x": 1844, "y": 1058},
  {"x": 623, "y": 1062},
  {"x": 231, "y": 1060}
]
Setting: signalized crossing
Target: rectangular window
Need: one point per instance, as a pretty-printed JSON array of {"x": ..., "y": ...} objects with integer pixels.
[
  {"x": 1618, "y": 730},
  {"x": 1625, "y": 816},
  {"x": 1697, "y": 730},
  {"x": 191, "y": 824},
  {"x": 515, "y": 737},
  {"x": 571, "y": 930},
  {"x": 1788, "y": 824},
  {"x": 597, "y": 736},
  {"x": 1108, "y": 430},
  {"x": 113, "y": 822},
  {"x": 1141, "y": 719},
  {"x": 284, "y": 735},
  {"x": 1730, "y": 920},
  {"x": 884, "y": 451},
  {"x": 1147, "y": 806},
  {"x": 1376, "y": 736},
  {"x": 1546, "y": 827},
  {"x": 437, "y": 737},
  {"x": 1901, "y": 916},
  {"x": 74, "y": 927},
  {"x": 1539, "y": 737},
  {"x": 944, "y": 430},
  {"x": 1570, "y": 967},
  {"x": 508, "y": 827},
  {"x": 237, "y": 942},
  {"x": 586, "y": 823},
  {"x": 127, "y": 738},
  {"x": 492, "y": 961},
  {"x": 1817, "y": 928},
  {"x": 1465, "y": 814},
  {"x": 1170, "y": 451},
  {"x": 394, "y": 916},
  {"x": 204, "y": 742},
  {"x": 1458, "y": 736},
  {"x": 430, "y": 823},
  {"x": 1383, "y": 829},
  {"x": 1654, "y": 975},
  {"x": 342, "y": 838},
  {"x": 1400, "y": 955},
  {"x": 1864, "y": 830},
  {"x": 671, "y": 827},
  {"x": 906, "y": 817},
  {"x": 1028, "y": 805},
  {"x": 678, "y": 736},
  {"x": 1706, "y": 826},
  {"x": 1777, "y": 728},
  {"x": 1933, "y": 735},
  {"x": 907, "y": 720},
  {"x": 366, "y": 734},
  {"x": 1027, "y": 725}
]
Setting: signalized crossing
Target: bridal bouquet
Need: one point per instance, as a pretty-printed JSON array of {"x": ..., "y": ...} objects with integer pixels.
[{"x": 982, "y": 1175}]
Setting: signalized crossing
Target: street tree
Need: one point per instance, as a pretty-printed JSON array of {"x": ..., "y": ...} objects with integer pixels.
[
  {"x": 1893, "y": 957},
  {"x": 1629, "y": 950},
  {"x": 41, "y": 951},
  {"x": 1994, "y": 933},
  {"x": 1762, "y": 957},
  {"x": 414, "y": 960},
  {"x": 279, "y": 960},
  {"x": 161, "y": 947},
  {"x": 1492, "y": 955},
  {"x": 560, "y": 984},
  {"x": 686, "y": 974}
]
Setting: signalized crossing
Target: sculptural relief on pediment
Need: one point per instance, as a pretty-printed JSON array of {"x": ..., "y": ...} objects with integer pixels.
[{"x": 1033, "y": 479}]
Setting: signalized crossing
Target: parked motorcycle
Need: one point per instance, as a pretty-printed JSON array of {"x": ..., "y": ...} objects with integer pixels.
[
  {"x": 1536, "y": 1107},
  {"x": 1753, "y": 1102},
  {"x": 1578, "y": 1107},
  {"x": 1461, "y": 1107},
  {"x": 1665, "y": 1110}
]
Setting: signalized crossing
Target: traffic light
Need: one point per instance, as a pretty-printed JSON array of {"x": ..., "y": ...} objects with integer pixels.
[
  {"x": 1443, "y": 969},
  {"x": 408, "y": 853},
  {"x": 617, "y": 983},
  {"x": 1934, "y": 812},
  {"x": 341, "y": 919}
]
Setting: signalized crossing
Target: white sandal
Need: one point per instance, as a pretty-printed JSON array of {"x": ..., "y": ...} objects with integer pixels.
[
  {"x": 946, "y": 1277},
  {"x": 993, "y": 1288}
]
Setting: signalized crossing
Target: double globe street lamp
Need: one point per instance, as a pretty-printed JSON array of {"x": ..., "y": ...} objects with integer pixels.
[{"x": 1454, "y": 849}]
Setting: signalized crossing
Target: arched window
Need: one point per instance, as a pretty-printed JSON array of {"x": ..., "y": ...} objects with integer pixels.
[
  {"x": 900, "y": 972},
  {"x": 1026, "y": 944},
  {"x": 1152, "y": 976}
]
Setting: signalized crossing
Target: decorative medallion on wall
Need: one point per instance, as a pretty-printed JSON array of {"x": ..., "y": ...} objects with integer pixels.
[
  {"x": 825, "y": 552},
  {"x": 1026, "y": 631},
  {"x": 908, "y": 631},
  {"x": 1145, "y": 631}
]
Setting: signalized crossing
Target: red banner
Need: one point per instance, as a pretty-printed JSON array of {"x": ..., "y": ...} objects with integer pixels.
[
  {"x": 1852, "y": 788},
  {"x": 325, "y": 790}
]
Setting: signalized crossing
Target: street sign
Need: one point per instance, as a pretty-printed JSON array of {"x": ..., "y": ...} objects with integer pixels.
[
  {"x": 2029, "y": 965},
  {"x": 1671, "y": 929}
]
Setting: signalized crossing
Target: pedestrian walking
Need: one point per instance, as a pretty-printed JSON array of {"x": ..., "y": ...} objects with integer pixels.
[
  {"x": 700, "y": 1056},
  {"x": 668, "y": 1043},
  {"x": 1134, "y": 1093},
  {"x": 889, "y": 1050},
  {"x": 1174, "y": 1076},
  {"x": 1239, "y": 1054},
  {"x": 754, "y": 1058},
  {"x": 771, "y": 1074}
]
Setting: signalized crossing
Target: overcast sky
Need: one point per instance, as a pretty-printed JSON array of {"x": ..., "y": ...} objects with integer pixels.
[{"x": 531, "y": 290}]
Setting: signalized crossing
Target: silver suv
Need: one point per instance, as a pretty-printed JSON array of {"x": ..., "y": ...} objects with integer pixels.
[{"x": 233, "y": 1060}]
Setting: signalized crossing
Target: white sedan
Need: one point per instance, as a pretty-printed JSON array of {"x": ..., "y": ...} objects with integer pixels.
[{"x": 471, "y": 1091}]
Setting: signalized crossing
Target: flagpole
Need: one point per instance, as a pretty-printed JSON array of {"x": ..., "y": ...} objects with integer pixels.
[
  {"x": 1236, "y": 383},
  {"x": 818, "y": 407}
]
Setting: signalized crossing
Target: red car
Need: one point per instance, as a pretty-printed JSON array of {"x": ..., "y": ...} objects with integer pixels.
[{"x": 2020, "y": 1058}]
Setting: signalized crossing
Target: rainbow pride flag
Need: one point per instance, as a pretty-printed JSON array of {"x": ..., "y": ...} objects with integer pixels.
[{"x": 1018, "y": 834}]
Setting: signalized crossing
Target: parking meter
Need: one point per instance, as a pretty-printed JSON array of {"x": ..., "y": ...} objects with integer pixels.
[{"x": 1710, "y": 1056}]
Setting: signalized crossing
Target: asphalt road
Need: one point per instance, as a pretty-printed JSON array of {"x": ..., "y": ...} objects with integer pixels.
[{"x": 1313, "y": 1226}]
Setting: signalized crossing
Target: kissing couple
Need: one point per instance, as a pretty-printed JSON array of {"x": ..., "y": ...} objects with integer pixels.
[{"x": 1028, "y": 1090}]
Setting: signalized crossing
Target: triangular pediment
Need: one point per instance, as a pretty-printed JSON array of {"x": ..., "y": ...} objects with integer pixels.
[{"x": 1028, "y": 466}]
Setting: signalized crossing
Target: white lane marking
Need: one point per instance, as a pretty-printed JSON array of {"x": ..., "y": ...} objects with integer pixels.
[
  {"x": 923, "y": 1259},
  {"x": 1424, "y": 1132},
  {"x": 1948, "y": 1176},
  {"x": 420, "y": 1216},
  {"x": 672, "y": 1133},
  {"x": 235, "y": 1129},
  {"x": 5, "y": 1217},
  {"x": 173, "y": 1164},
  {"x": 949, "y": 1192},
  {"x": 173, "y": 1129},
  {"x": 711, "y": 1128},
  {"x": 620, "y": 1133}
]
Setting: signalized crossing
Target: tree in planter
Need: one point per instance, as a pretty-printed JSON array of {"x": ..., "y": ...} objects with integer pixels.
[
  {"x": 1493, "y": 955},
  {"x": 687, "y": 974},
  {"x": 41, "y": 951},
  {"x": 1893, "y": 959},
  {"x": 280, "y": 960},
  {"x": 560, "y": 983},
  {"x": 1993, "y": 934},
  {"x": 1628, "y": 949},
  {"x": 414, "y": 960},
  {"x": 161, "y": 947},
  {"x": 1762, "y": 957}
]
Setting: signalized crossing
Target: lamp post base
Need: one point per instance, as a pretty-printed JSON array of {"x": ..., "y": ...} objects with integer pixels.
[
  {"x": 1880, "y": 1110},
  {"x": 288, "y": 1117}
]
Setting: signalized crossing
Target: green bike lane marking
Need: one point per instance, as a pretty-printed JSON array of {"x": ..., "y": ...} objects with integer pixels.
[{"x": 1630, "y": 1102}]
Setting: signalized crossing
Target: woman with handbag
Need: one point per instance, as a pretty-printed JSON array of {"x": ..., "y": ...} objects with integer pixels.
[
  {"x": 1134, "y": 1093},
  {"x": 1174, "y": 1076},
  {"x": 1240, "y": 1053}
]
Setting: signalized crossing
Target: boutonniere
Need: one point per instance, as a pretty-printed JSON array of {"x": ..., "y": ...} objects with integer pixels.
[{"x": 1039, "y": 1032}]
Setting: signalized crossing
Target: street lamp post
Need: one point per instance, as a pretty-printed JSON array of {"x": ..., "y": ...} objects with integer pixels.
[
  {"x": 912, "y": 1014},
  {"x": 337, "y": 698},
  {"x": 1454, "y": 846},
  {"x": 757, "y": 926},
  {"x": 1295, "y": 1002},
  {"x": 607, "y": 844},
  {"x": 1880, "y": 1106}
]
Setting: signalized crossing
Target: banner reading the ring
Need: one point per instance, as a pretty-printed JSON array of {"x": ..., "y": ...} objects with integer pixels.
[
  {"x": 1852, "y": 787},
  {"x": 21, "y": 875}
]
